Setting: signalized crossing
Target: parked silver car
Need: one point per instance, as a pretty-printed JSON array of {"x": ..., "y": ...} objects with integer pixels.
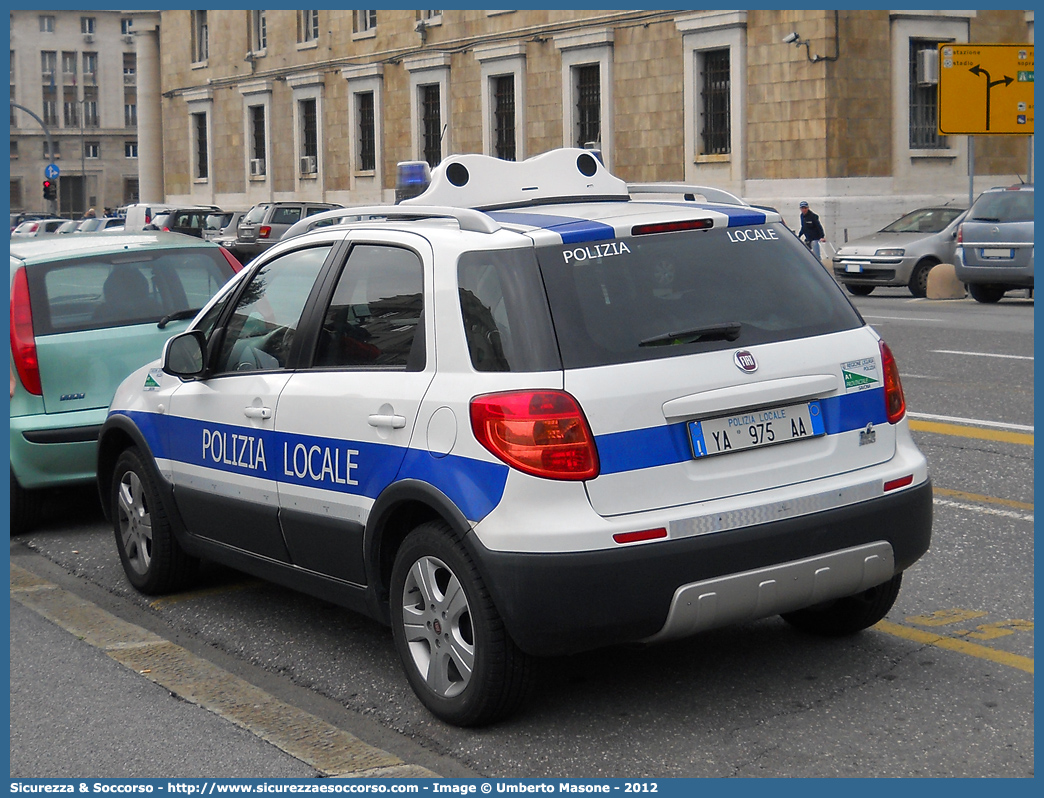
[
  {"x": 900, "y": 254},
  {"x": 264, "y": 224},
  {"x": 31, "y": 228},
  {"x": 995, "y": 243}
]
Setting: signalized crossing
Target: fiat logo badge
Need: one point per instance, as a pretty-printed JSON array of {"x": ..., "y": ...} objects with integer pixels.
[{"x": 745, "y": 361}]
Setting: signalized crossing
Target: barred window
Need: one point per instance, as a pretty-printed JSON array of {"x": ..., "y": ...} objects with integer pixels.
[
  {"x": 199, "y": 123},
  {"x": 504, "y": 116},
  {"x": 924, "y": 105},
  {"x": 309, "y": 129},
  {"x": 431, "y": 122},
  {"x": 257, "y": 131},
  {"x": 367, "y": 133},
  {"x": 715, "y": 92},
  {"x": 588, "y": 105}
]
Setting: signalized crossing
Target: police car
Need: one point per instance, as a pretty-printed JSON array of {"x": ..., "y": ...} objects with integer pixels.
[{"x": 529, "y": 412}]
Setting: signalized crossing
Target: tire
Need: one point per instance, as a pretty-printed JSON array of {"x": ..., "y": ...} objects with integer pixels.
[
  {"x": 25, "y": 507},
  {"x": 987, "y": 294},
  {"x": 846, "y": 616},
  {"x": 859, "y": 290},
  {"x": 468, "y": 672},
  {"x": 918, "y": 284},
  {"x": 152, "y": 559}
]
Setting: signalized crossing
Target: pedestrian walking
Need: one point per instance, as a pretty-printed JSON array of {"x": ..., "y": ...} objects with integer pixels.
[{"x": 811, "y": 229}]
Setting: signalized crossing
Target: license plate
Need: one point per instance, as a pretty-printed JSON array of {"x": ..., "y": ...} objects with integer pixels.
[
  {"x": 853, "y": 268},
  {"x": 756, "y": 428},
  {"x": 995, "y": 252}
]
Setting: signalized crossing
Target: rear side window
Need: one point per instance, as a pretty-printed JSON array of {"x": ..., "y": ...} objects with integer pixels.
[
  {"x": 123, "y": 289},
  {"x": 504, "y": 309},
  {"x": 285, "y": 216},
  {"x": 668, "y": 294},
  {"x": 1003, "y": 206}
]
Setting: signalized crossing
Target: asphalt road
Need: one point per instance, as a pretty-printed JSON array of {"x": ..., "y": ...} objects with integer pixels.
[{"x": 943, "y": 687}]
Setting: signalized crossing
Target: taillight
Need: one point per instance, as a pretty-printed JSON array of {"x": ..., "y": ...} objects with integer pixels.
[
  {"x": 233, "y": 261},
  {"x": 264, "y": 232},
  {"x": 895, "y": 402},
  {"x": 23, "y": 340},
  {"x": 960, "y": 233},
  {"x": 543, "y": 433},
  {"x": 33, "y": 229}
]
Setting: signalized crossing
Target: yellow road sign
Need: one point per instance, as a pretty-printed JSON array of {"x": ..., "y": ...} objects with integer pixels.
[{"x": 985, "y": 89}]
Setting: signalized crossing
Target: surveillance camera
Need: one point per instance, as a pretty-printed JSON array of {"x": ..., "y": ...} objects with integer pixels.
[{"x": 790, "y": 37}]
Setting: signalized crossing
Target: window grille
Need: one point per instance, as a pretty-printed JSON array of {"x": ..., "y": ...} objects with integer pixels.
[
  {"x": 715, "y": 93},
  {"x": 924, "y": 105},
  {"x": 588, "y": 104},
  {"x": 431, "y": 120},
  {"x": 504, "y": 116},
  {"x": 202, "y": 171},
  {"x": 367, "y": 132}
]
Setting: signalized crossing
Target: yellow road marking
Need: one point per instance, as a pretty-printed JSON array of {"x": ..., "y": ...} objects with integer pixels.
[
  {"x": 978, "y": 497},
  {"x": 1024, "y": 438},
  {"x": 960, "y": 646}
]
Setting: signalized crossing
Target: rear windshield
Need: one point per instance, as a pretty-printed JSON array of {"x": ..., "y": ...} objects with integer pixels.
[
  {"x": 256, "y": 214},
  {"x": 217, "y": 221},
  {"x": 925, "y": 220},
  {"x": 667, "y": 294},
  {"x": 123, "y": 289},
  {"x": 1003, "y": 206}
]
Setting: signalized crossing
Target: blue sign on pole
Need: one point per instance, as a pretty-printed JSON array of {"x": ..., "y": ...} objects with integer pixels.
[{"x": 51, "y": 171}]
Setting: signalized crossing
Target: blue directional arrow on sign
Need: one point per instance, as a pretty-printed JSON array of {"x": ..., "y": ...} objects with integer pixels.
[{"x": 51, "y": 171}]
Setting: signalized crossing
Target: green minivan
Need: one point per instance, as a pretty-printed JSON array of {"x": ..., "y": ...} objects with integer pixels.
[{"x": 86, "y": 311}]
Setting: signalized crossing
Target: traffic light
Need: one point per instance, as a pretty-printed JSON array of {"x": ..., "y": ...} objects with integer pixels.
[{"x": 49, "y": 190}]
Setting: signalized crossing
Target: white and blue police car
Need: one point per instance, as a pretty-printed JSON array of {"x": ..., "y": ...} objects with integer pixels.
[{"x": 528, "y": 412}]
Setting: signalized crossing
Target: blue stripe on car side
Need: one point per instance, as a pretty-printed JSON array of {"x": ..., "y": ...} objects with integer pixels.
[
  {"x": 738, "y": 216},
  {"x": 656, "y": 446},
  {"x": 354, "y": 467},
  {"x": 572, "y": 229}
]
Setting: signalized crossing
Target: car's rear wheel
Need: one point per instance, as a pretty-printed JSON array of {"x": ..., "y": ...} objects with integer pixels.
[
  {"x": 25, "y": 507},
  {"x": 458, "y": 657},
  {"x": 152, "y": 558},
  {"x": 918, "y": 284},
  {"x": 987, "y": 294},
  {"x": 859, "y": 290},
  {"x": 846, "y": 616}
]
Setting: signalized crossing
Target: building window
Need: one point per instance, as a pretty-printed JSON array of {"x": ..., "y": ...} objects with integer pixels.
[
  {"x": 57, "y": 151},
  {"x": 48, "y": 65},
  {"x": 430, "y": 18},
  {"x": 504, "y": 116},
  {"x": 86, "y": 24},
  {"x": 90, "y": 106},
  {"x": 715, "y": 102},
  {"x": 258, "y": 167},
  {"x": 90, "y": 66},
  {"x": 70, "y": 108},
  {"x": 309, "y": 138},
  {"x": 126, "y": 26},
  {"x": 130, "y": 69},
  {"x": 14, "y": 149},
  {"x": 258, "y": 30},
  {"x": 46, "y": 23},
  {"x": 92, "y": 149},
  {"x": 130, "y": 115},
  {"x": 308, "y": 26},
  {"x": 69, "y": 65},
  {"x": 130, "y": 149},
  {"x": 365, "y": 21},
  {"x": 14, "y": 118},
  {"x": 130, "y": 190},
  {"x": 200, "y": 37},
  {"x": 588, "y": 105},
  {"x": 50, "y": 106},
  {"x": 924, "y": 104},
  {"x": 16, "y": 193},
  {"x": 199, "y": 130},
  {"x": 431, "y": 123},
  {"x": 367, "y": 131}
]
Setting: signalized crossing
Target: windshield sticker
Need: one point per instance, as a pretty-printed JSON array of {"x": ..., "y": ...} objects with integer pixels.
[
  {"x": 594, "y": 251},
  {"x": 152, "y": 380},
  {"x": 752, "y": 234},
  {"x": 860, "y": 375}
]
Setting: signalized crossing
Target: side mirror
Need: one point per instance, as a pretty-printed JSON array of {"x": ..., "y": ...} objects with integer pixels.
[{"x": 183, "y": 355}]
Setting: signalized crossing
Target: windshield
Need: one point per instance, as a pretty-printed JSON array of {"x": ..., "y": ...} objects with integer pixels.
[
  {"x": 925, "y": 220},
  {"x": 669, "y": 294},
  {"x": 1003, "y": 206}
]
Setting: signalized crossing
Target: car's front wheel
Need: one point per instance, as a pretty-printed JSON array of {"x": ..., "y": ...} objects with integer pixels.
[
  {"x": 458, "y": 657},
  {"x": 859, "y": 290},
  {"x": 152, "y": 558},
  {"x": 846, "y": 616},
  {"x": 987, "y": 294},
  {"x": 918, "y": 284}
]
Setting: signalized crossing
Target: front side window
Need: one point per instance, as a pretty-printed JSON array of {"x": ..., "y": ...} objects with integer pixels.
[
  {"x": 715, "y": 99},
  {"x": 924, "y": 103},
  {"x": 376, "y": 312},
  {"x": 260, "y": 331},
  {"x": 588, "y": 105}
]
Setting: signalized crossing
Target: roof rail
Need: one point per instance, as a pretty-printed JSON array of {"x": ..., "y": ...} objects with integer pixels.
[
  {"x": 469, "y": 220},
  {"x": 690, "y": 191}
]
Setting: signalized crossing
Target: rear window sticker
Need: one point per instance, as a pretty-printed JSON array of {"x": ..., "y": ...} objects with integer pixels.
[{"x": 860, "y": 375}]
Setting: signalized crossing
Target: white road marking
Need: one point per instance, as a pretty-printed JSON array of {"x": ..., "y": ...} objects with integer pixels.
[
  {"x": 979, "y": 508},
  {"x": 974, "y": 422},
  {"x": 981, "y": 354}
]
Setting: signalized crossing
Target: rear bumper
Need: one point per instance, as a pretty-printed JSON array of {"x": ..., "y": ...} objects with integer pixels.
[
  {"x": 1016, "y": 273},
  {"x": 56, "y": 449},
  {"x": 562, "y": 603}
]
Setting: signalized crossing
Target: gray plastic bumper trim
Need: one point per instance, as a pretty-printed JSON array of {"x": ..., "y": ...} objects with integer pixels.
[{"x": 779, "y": 588}]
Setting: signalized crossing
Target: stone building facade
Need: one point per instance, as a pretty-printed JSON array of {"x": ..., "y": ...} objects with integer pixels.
[
  {"x": 267, "y": 105},
  {"x": 77, "y": 72}
]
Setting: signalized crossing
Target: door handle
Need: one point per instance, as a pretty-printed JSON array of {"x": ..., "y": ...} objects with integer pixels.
[
  {"x": 257, "y": 412},
  {"x": 380, "y": 420}
]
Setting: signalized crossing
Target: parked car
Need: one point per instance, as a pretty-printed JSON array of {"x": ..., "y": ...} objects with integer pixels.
[
  {"x": 22, "y": 216},
  {"x": 221, "y": 226},
  {"x": 99, "y": 224},
  {"x": 140, "y": 214},
  {"x": 995, "y": 243},
  {"x": 265, "y": 223},
  {"x": 86, "y": 311},
  {"x": 189, "y": 221},
  {"x": 68, "y": 227},
  {"x": 574, "y": 421},
  {"x": 35, "y": 227},
  {"x": 902, "y": 253}
]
